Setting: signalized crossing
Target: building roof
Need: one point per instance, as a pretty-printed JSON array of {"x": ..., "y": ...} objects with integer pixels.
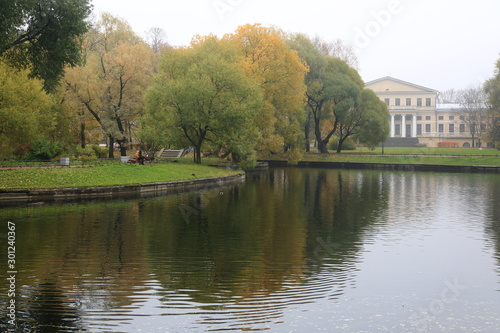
[
  {"x": 401, "y": 82},
  {"x": 448, "y": 106}
]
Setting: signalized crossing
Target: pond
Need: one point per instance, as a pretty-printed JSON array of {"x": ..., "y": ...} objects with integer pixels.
[{"x": 290, "y": 250}]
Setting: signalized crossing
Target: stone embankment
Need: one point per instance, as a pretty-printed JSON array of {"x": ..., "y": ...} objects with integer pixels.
[{"x": 15, "y": 196}]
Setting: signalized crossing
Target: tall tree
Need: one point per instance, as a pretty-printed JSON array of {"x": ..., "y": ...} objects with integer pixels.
[
  {"x": 202, "y": 95},
  {"x": 492, "y": 90},
  {"x": 26, "y": 111},
  {"x": 367, "y": 121},
  {"x": 337, "y": 49},
  {"x": 43, "y": 36},
  {"x": 111, "y": 83},
  {"x": 315, "y": 60},
  {"x": 280, "y": 73},
  {"x": 472, "y": 102}
]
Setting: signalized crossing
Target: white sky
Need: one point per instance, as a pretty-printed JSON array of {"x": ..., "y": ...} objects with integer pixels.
[{"x": 440, "y": 44}]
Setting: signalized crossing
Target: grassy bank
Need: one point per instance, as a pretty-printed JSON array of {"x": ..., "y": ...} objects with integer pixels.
[
  {"x": 425, "y": 151},
  {"x": 105, "y": 175},
  {"x": 435, "y": 156}
]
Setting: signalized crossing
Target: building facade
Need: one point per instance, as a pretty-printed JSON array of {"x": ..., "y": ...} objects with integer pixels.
[{"x": 415, "y": 114}]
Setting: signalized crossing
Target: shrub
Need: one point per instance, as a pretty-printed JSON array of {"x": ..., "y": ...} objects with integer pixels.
[
  {"x": 43, "y": 149},
  {"x": 99, "y": 151},
  {"x": 89, "y": 152},
  {"x": 348, "y": 144}
]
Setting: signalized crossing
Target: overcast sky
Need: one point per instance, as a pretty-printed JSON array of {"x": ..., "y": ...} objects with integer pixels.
[{"x": 440, "y": 44}]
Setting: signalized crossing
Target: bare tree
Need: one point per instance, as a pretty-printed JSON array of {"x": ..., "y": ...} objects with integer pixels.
[
  {"x": 472, "y": 102},
  {"x": 337, "y": 49},
  {"x": 157, "y": 39},
  {"x": 450, "y": 96}
]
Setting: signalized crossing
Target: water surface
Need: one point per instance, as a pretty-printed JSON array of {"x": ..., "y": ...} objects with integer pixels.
[{"x": 291, "y": 250}]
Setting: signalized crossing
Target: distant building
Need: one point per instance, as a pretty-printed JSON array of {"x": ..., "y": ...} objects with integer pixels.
[{"x": 415, "y": 114}]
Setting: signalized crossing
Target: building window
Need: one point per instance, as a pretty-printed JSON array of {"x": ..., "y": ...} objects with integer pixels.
[
  {"x": 419, "y": 102},
  {"x": 419, "y": 117},
  {"x": 397, "y": 129},
  {"x": 427, "y": 102},
  {"x": 441, "y": 128},
  {"x": 427, "y": 117},
  {"x": 483, "y": 127},
  {"x": 440, "y": 118},
  {"x": 387, "y": 101},
  {"x": 427, "y": 128},
  {"x": 408, "y": 102},
  {"x": 398, "y": 102},
  {"x": 452, "y": 117},
  {"x": 462, "y": 118},
  {"x": 419, "y": 129},
  {"x": 451, "y": 128},
  {"x": 462, "y": 128}
]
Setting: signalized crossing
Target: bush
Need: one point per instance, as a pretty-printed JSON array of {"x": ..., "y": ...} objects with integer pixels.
[
  {"x": 99, "y": 151},
  {"x": 348, "y": 144},
  {"x": 294, "y": 156},
  {"x": 89, "y": 152},
  {"x": 43, "y": 149}
]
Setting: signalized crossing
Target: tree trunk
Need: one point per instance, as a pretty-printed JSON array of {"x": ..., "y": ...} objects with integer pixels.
[
  {"x": 82, "y": 133},
  {"x": 111, "y": 147},
  {"x": 197, "y": 154},
  {"x": 339, "y": 145},
  {"x": 322, "y": 147},
  {"x": 307, "y": 129}
]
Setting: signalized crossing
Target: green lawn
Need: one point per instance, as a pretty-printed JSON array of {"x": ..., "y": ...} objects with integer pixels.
[
  {"x": 393, "y": 159},
  {"x": 425, "y": 151},
  {"x": 105, "y": 175},
  {"x": 397, "y": 158}
]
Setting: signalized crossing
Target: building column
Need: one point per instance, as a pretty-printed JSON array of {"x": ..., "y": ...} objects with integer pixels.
[
  {"x": 393, "y": 127},
  {"x": 403, "y": 126},
  {"x": 414, "y": 127}
]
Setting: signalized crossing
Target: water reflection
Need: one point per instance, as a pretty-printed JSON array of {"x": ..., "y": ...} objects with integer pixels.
[{"x": 244, "y": 257}]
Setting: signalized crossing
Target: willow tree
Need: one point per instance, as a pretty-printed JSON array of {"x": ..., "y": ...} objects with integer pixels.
[
  {"x": 280, "y": 73},
  {"x": 111, "y": 83},
  {"x": 366, "y": 122},
  {"x": 332, "y": 90},
  {"x": 202, "y": 96}
]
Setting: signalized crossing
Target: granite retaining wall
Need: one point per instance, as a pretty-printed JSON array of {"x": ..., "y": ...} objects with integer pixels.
[
  {"x": 394, "y": 167},
  {"x": 15, "y": 196}
]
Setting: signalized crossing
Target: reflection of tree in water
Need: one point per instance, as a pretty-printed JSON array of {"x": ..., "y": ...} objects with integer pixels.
[
  {"x": 255, "y": 251},
  {"x": 79, "y": 260},
  {"x": 47, "y": 309},
  {"x": 493, "y": 222}
]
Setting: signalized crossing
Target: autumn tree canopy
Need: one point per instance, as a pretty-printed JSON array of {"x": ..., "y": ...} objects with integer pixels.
[
  {"x": 111, "y": 83},
  {"x": 280, "y": 73},
  {"x": 26, "y": 111},
  {"x": 203, "y": 97}
]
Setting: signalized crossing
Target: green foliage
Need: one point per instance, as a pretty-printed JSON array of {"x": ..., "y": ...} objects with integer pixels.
[
  {"x": 43, "y": 149},
  {"x": 43, "y": 36},
  {"x": 89, "y": 152},
  {"x": 294, "y": 156},
  {"x": 492, "y": 89},
  {"x": 201, "y": 95},
  {"x": 348, "y": 144},
  {"x": 26, "y": 111}
]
